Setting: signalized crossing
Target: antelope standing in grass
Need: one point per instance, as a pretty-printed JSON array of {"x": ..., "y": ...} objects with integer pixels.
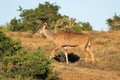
[{"x": 68, "y": 39}]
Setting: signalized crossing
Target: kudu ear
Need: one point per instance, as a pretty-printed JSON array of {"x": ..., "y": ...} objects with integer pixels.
[{"x": 44, "y": 25}]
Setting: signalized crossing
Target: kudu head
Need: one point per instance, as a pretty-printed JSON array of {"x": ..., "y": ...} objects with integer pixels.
[{"x": 40, "y": 31}]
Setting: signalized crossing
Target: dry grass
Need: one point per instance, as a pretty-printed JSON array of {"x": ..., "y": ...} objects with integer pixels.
[{"x": 106, "y": 48}]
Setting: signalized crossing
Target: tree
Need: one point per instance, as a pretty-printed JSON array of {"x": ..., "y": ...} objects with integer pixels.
[
  {"x": 15, "y": 25},
  {"x": 86, "y": 26},
  {"x": 32, "y": 19},
  {"x": 114, "y": 23}
]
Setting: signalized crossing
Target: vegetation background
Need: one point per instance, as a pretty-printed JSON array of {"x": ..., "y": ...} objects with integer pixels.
[{"x": 24, "y": 56}]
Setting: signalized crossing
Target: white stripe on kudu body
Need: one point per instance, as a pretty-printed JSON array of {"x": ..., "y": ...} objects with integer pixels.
[{"x": 66, "y": 38}]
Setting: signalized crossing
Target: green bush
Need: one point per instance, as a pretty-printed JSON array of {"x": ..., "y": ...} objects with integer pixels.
[
  {"x": 8, "y": 47},
  {"x": 35, "y": 65},
  {"x": 76, "y": 28},
  {"x": 23, "y": 65},
  {"x": 114, "y": 23}
]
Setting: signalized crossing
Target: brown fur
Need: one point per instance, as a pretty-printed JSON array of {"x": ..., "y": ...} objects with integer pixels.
[
  {"x": 72, "y": 39},
  {"x": 67, "y": 38}
]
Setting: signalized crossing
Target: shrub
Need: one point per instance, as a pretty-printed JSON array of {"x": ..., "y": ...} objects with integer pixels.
[
  {"x": 8, "y": 47},
  {"x": 114, "y": 23},
  {"x": 20, "y": 64},
  {"x": 35, "y": 65}
]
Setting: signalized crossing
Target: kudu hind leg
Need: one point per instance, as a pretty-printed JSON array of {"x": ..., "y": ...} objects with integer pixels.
[
  {"x": 85, "y": 53},
  {"x": 86, "y": 56},
  {"x": 92, "y": 56}
]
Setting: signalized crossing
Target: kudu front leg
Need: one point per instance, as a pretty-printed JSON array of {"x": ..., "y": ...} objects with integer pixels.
[
  {"x": 66, "y": 55},
  {"x": 53, "y": 52}
]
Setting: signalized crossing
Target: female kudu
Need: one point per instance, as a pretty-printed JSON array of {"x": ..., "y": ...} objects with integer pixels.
[{"x": 66, "y": 38}]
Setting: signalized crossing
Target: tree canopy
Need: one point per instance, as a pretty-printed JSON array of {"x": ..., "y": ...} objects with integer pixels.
[
  {"x": 32, "y": 19},
  {"x": 114, "y": 23}
]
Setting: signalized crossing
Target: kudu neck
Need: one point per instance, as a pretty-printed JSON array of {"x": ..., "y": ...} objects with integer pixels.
[{"x": 50, "y": 35}]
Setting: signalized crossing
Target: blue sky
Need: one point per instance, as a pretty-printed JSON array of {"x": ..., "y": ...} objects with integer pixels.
[{"x": 93, "y": 11}]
